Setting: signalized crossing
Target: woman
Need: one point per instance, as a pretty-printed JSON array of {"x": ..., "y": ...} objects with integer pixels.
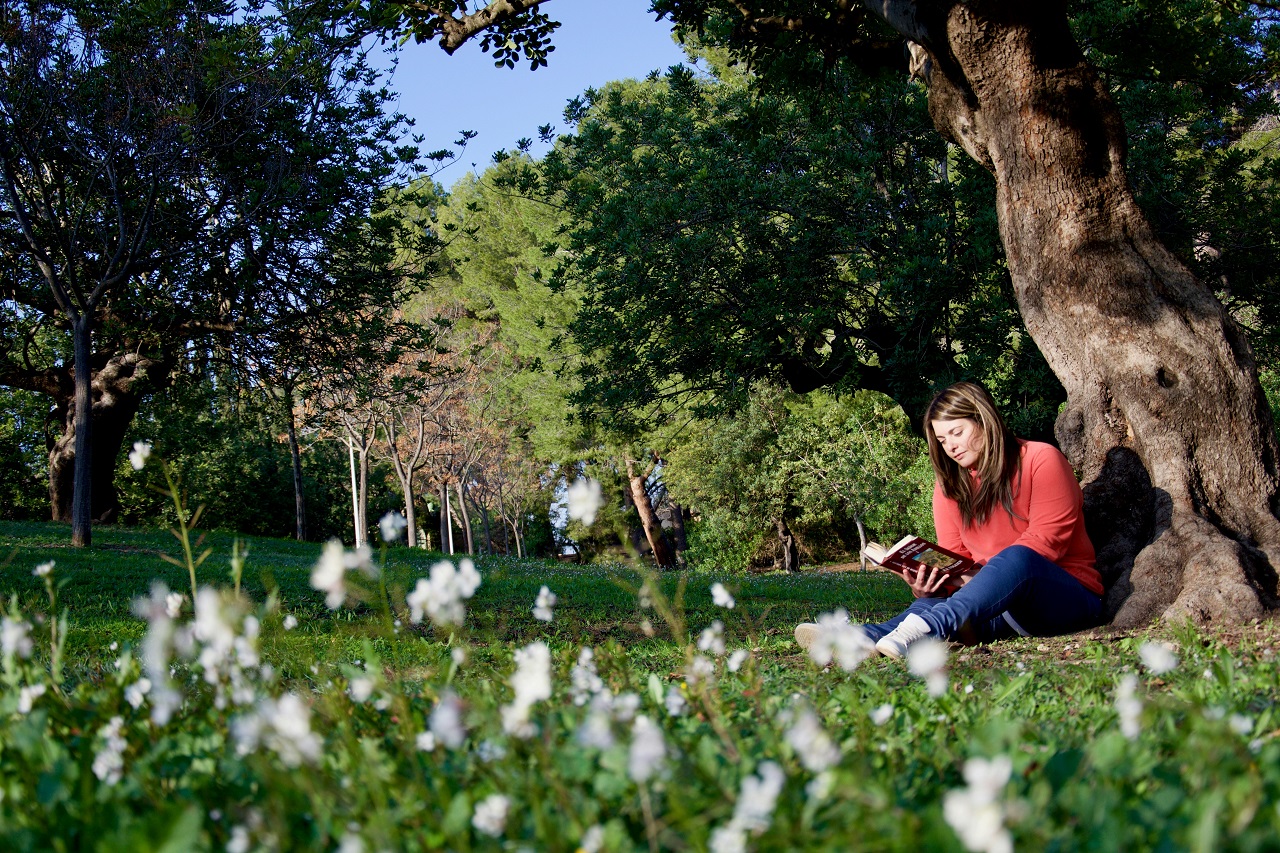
[{"x": 1015, "y": 507}]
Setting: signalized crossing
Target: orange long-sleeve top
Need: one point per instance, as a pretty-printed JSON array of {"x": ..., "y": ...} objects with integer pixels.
[{"x": 1048, "y": 510}]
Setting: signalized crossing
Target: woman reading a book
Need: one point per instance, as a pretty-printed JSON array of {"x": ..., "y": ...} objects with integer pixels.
[{"x": 1012, "y": 506}]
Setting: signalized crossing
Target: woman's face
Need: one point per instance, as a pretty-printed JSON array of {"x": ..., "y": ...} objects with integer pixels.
[{"x": 961, "y": 440}]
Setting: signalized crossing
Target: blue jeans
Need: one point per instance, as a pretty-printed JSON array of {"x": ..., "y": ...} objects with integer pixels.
[{"x": 1016, "y": 589}]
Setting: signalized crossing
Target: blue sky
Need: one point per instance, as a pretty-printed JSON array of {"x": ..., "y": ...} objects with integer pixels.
[{"x": 598, "y": 41}]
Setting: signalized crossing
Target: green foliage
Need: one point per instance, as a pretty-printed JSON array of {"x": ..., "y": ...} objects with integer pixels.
[
  {"x": 820, "y": 463},
  {"x": 818, "y": 238},
  {"x": 24, "y": 485},
  {"x": 1085, "y": 771},
  {"x": 228, "y": 450}
]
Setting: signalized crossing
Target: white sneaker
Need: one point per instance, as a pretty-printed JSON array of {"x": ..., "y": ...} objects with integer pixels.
[
  {"x": 807, "y": 634},
  {"x": 895, "y": 643}
]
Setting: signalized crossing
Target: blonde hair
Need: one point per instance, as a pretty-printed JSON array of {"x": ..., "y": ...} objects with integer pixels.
[{"x": 999, "y": 461}]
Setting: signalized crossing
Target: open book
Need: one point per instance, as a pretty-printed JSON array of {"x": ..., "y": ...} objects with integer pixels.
[{"x": 912, "y": 552}]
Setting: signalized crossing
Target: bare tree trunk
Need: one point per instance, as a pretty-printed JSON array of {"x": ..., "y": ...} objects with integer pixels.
[
  {"x": 448, "y": 518},
  {"x": 1165, "y": 418},
  {"x": 446, "y": 522},
  {"x": 355, "y": 492},
  {"x": 862, "y": 543},
  {"x": 648, "y": 518},
  {"x": 789, "y": 561},
  {"x": 295, "y": 456},
  {"x": 677, "y": 527},
  {"x": 466, "y": 519},
  {"x": 488, "y": 539}
]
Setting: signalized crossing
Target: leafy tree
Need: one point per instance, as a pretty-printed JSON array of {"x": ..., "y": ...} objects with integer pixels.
[
  {"x": 1165, "y": 415},
  {"x": 161, "y": 162}
]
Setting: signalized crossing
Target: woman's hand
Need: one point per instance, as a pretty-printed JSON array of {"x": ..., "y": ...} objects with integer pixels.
[{"x": 926, "y": 582}]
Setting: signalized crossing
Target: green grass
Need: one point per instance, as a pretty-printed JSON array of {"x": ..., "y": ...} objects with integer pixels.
[{"x": 1203, "y": 772}]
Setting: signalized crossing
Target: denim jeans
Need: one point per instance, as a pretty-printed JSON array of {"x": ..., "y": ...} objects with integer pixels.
[{"x": 1016, "y": 589}]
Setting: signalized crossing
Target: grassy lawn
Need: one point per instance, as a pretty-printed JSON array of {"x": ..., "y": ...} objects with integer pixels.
[{"x": 1091, "y": 745}]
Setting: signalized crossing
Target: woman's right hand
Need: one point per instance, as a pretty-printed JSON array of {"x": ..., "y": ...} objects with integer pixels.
[{"x": 926, "y": 582}]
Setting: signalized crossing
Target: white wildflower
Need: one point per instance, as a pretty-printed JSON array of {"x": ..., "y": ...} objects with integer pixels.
[
  {"x": 737, "y": 659},
  {"x": 729, "y": 838},
  {"x": 712, "y": 639},
  {"x": 440, "y": 597},
  {"x": 596, "y": 731},
  {"x": 360, "y": 689},
  {"x": 840, "y": 640},
  {"x": 283, "y": 726},
  {"x": 927, "y": 659},
  {"x": 446, "y": 721},
  {"x": 759, "y": 796},
  {"x": 584, "y": 680},
  {"x": 108, "y": 764},
  {"x": 425, "y": 741},
  {"x": 1240, "y": 724},
  {"x": 976, "y": 813},
  {"x": 351, "y": 843},
  {"x": 648, "y": 750},
  {"x": 532, "y": 683},
  {"x": 391, "y": 526},
  {"x": 699, "y": 670},
  {"x": 330, "y": 574},
  {"x": 15, "y": 638},
  {"x": 543, "y": 604},
  {"x": 490, "y": 751},
  {"x": 592, "y": 839},
  {"x": 1129, "y": 706},
  {"x": 674, "y": 701},
  {"x": 490, "y": 817},
  {"x": 813, "y": 746},
  {"x": 290, "y": 622},
  {"x": 43, "y": 570},
  {"x": 138, "y": 456},
  {"x": 585, "y": 498},
  {"x": 27, "y": 697},
  {"x": 881, "y": 715},
  {"x": 135, "y": 694},
  {"x": 1158, "y": 658},
  {"x": 173, "y": 604},
  {"x": 721, "y": 597},
  {"x": 239, "y": 841}
]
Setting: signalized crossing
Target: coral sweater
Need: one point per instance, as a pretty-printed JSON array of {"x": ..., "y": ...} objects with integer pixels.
[{"x": 1048, "y": 517}]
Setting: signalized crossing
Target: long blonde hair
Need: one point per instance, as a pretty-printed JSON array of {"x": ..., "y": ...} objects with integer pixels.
[{"x": 999, "y": 462}]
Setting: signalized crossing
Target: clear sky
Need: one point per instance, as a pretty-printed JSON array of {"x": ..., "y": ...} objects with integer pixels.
[{"x": 598, "y": 41}]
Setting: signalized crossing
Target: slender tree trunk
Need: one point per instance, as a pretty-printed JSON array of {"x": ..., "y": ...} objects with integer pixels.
[
  {"x": 446, "y": 538},
  {"x": 295, "y": 456},
  {"x": 1165, "y": 418},
  {"x": 82, "y": 500},
  {"x": 649, "y": 519},
  {"x": 363, "y": 458},
  {"x": 466, "y": 519},
  {"x": 355, "y": 491},
  {"x": 484, "y": 517},
  {"x": 410, "y": 517},
  {"x": 677, "y": 527},
  {"x": 789, "y": 560}
]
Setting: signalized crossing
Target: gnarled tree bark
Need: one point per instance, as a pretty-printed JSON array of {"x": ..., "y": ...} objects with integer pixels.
[
  {"x": 1165, "y": 418},
  {"x": 117, "y": 389}
]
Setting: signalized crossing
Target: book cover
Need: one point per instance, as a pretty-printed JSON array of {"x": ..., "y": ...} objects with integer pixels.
[{"x": 912, "y": 552}]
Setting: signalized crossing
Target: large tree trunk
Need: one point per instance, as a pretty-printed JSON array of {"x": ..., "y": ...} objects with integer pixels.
[
  {"x": 1165, "y": 419},
  {"x": 649, "y": 519},
  {"x": 117, "y": 389},
  {"x": 466, "y": 519}
]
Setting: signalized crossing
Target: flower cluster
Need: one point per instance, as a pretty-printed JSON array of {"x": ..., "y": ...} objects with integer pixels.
[
  {"x": 585, "y": 498},
  {"x": 976, "y": 812},
  {"x": 440, "y": 597},
  {"x": 330, "y": 572},
  {"x": 532, "y": 684},
  {"x": 840, "y": 640},
  {"x": 754, "y": 810},
  {"x": 282, "y": 725}
]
